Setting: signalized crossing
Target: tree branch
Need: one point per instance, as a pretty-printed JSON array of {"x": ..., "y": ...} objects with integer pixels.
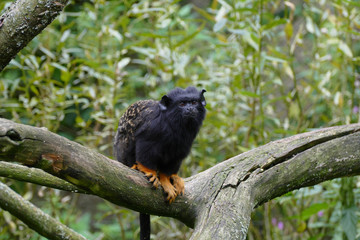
[
  {"x": 34, "y": 217},
  {"x": 241, "y": 183},
  {"x": 334, "y": 156},
  {"x": 22, "y": 21},
  {"x": 37, "y": 176},
  {"x": 88, "y": 170},
  {"x": 217, "y": 202}
]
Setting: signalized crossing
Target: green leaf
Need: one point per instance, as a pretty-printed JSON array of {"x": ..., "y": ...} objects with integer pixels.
[
  {"x": 252, "y": 40},
  {"x": 34, "y": 90},
  {"x": 274, "y": 24},
  {"x": 58, "y": 66},
  {"x": 219, "y": 24},
  {"x": 204, "y": 13},
  {"x": 185, "y": 10},
  {"x": 354, "y": 3},
  {"x": 123, "y": 63},
  {"x": 238, "y": 31},
  {"x": 249, "y": 94},
  {"x": 312, "y": 210},
  {"x": 310, "y": 25},
  {"x": 301, "y": 227},
  {"x": 47, "y": 52},
  {"x": 345, "y": 49},
  {"x": 274, "y": 59},
  {"x": 146, "y": 51},
  {"x": 116, "y": 34},
  {"x": 65, "y": 35},
  {"x": 244, "y": 10},
  {"x": 191, "y": 36},
  {"x": 288, "y": 30},
  {"x": 348, "y": 222}
]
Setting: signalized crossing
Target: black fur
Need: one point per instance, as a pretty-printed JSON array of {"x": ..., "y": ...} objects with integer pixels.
[
  {"x": 144, "y": 226},
  {"x": 159, "y": 135}
]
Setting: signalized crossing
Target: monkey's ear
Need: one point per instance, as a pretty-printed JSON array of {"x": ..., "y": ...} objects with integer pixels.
[
  {"x": 164, "y": 103},
  {"x": 202, "y": 98}
]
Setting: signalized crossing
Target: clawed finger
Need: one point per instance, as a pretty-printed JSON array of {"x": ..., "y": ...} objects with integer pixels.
[
  {"x": 155, "y": 181},
  {"x": 171, "y": 195}
]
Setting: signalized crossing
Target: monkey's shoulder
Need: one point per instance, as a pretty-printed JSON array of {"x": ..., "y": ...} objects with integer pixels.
[
  {"x": 140, "y": 109},
  {"x": 137, "y": 114}
]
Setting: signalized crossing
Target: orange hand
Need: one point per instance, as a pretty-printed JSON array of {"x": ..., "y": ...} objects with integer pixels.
[
  {"x": 169, "y": 189},
  {"x": 178, "y": 183},
  {"x": 173, "y": 185},
  {"x": 149, "y": 173}
]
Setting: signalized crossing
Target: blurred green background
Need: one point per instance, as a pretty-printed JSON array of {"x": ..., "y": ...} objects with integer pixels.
[{"x": 271, "y": 69}]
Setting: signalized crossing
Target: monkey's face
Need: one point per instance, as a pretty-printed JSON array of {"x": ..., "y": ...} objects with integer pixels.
[
  {"x": 184, "y": 105},
  {"x": 189, "y": 109}
]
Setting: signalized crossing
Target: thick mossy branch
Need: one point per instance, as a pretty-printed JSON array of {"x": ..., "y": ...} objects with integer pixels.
[
  {"x": 240, "y": 184},
  {"x": 338, "y": 157},
  {"x": 34, "y": 217},
  {"x": 218, "y": 202},
  {"x": 87, "y": 169},
  {"x": 22, "y": 22},
  {"x": 37, "y": 176}
]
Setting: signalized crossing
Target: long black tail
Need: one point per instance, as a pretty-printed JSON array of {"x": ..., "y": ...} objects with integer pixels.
[{"x": 144, "y": 226}]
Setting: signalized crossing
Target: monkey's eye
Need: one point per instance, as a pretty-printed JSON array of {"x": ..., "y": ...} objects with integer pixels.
[
  {"x": 194, "y": 102},
  {"x": 182, "y": 104}
]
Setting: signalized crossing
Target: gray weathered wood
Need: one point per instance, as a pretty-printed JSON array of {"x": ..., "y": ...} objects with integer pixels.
[
  {"x": 34, "y": 217},
  {"x": 22, "y": 21},
  {"x": 217, "y": 202}
]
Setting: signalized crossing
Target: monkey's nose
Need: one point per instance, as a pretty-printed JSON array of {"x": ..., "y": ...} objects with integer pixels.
[{"x": 191, "y": 112}]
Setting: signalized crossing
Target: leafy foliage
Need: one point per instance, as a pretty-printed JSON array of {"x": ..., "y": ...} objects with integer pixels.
[{"x": 271, "y": 69}]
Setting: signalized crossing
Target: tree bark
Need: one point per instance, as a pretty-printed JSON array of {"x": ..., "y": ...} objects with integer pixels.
[
  {"x": 37, "y": 176},
  {"x": 217, "y": 202},
  {"x": 87, "y": 169},
  {"x": 34, "y": 217},
  {"x": 22, "y": 21}
]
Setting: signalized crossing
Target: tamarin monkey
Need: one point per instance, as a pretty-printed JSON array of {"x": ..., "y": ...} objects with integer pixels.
[{"x": 155, "y": 136}]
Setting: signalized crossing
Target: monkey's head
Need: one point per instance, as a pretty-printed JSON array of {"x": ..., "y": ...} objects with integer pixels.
[{"x": 186, "y": 105}]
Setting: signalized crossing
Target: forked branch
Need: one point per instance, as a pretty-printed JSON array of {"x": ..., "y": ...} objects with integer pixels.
[{"x": 217, "y": 202}]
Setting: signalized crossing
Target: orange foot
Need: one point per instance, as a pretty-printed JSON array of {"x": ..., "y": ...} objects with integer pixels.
[
  {"x": 149, "y": 173},
  {"x": 178, "y": 183},
  {"x": 169, "y": 189}
]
